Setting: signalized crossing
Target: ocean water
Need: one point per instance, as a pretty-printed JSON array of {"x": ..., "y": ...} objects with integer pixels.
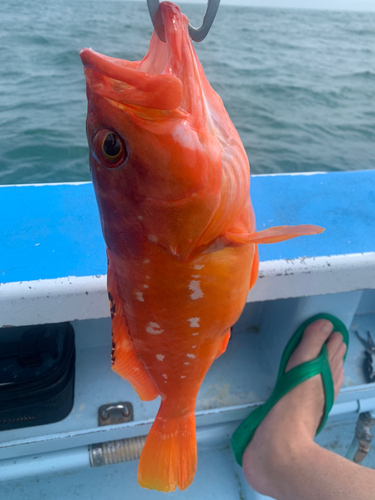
[{"x": 299, "y": 85}]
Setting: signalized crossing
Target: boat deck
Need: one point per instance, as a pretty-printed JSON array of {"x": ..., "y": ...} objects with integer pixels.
[{"x": 53, "y": 270}]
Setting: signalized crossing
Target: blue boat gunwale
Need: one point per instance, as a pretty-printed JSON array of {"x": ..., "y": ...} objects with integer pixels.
[
  {"x": 53, "y": 230},
  {"x": 56, "y": 227}
]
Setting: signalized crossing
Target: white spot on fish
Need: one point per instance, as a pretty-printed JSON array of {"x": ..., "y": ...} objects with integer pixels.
[
  {"x": 186, "y": 137},
  {"x": 194, "y": 322},
  {"x": 183, "y": 376},
  {"x": 140, "y": 217},
  {"x": 145, "y": 286},
  {"x": 190, "y": 356},
  {"x": 198, "y": 266},
  {"x": 193, "y": 346},
  {"x": 186, "y": 363},
  {"x": 195, "y": 275},
  {"x": 139, "y": 296},
  {"x": 165, "y": 375},
  {"x": 160, "y": 357},
  {"x": 148, "y": 278},
  {"x": 152, "y": 238},
  {"x": 196, "y": 333},
  {"x": 194, "y": 286},
  {"x": 146, "y": 261},
  {"x": 154, "y": 329}
]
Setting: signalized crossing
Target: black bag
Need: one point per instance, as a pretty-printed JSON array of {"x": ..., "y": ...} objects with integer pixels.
[{"x": 37, "y": 365}]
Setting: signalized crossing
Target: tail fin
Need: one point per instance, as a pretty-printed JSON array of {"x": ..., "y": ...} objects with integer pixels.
[{"x": 169, "y": 457}]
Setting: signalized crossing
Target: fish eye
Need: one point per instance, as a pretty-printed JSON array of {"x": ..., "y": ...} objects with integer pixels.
[
  {"x": 109, "y": 148},
  {"x": 112, "y": 146}
]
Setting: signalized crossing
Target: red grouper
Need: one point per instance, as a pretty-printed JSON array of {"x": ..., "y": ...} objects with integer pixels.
[{"x": 172, "y": 181}]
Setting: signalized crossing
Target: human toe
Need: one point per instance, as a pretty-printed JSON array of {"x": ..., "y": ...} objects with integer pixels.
[
  {"x": 337, "y": 383},
  {"x": 336, "y": 349},
  {"x": 310, "y": 346}
]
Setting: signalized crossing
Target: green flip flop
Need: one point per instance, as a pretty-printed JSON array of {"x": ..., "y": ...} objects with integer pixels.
[{"x": 287, "y": 381}]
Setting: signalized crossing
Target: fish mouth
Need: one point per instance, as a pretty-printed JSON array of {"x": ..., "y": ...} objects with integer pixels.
[{"x": 155, "y": 82}]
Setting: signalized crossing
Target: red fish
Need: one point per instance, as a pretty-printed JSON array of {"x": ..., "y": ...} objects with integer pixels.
[{"x": 172, "y": 181}]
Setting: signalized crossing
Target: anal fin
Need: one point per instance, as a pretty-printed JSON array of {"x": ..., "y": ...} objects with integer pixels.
[
  {"x": 127, "y": 364},
  {"x": 125, "y": 359}
]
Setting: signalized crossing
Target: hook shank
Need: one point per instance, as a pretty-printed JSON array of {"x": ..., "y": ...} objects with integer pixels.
[{"x": 196, "y": 34}]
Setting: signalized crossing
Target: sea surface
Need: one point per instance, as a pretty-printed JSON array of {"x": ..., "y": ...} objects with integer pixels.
[{"x": 299, "y": 85}]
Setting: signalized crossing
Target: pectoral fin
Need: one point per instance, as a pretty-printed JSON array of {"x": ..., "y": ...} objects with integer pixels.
[
  {"x": 254, "y": 268},
  {"x": 224, "y": 343},
  {"x": 273, "y": 234}
]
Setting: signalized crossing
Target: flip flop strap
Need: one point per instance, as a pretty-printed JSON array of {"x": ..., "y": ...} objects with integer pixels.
[
  {"x": 338, "y": 326},
  {"x": 328, "y": 386},
  {"x": 300, "y": 373},
  {"x": 285, "y": 383}
]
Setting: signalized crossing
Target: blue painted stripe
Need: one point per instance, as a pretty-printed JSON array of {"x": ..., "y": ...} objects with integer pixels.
[
  {"x": 343, "y": 203},
  {"x": 49, "y": 232},
  {"x": 52, "y": 231}
]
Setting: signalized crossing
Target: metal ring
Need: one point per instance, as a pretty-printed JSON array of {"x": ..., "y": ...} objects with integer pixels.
[{"x": 196, "y": 34}]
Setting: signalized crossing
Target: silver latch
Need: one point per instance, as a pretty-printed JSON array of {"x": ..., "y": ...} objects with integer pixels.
[{"x": 115, "y": 413}]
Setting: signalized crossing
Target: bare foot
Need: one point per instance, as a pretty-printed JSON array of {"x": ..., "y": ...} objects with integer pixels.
[{"x": 291, "y": 425}]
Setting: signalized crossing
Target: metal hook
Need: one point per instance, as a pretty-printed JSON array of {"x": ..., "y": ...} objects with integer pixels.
[{"x": 196, "y": 34}]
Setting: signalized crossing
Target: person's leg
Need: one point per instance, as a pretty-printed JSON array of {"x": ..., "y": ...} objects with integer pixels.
[{"x": 282, "y": 461}]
